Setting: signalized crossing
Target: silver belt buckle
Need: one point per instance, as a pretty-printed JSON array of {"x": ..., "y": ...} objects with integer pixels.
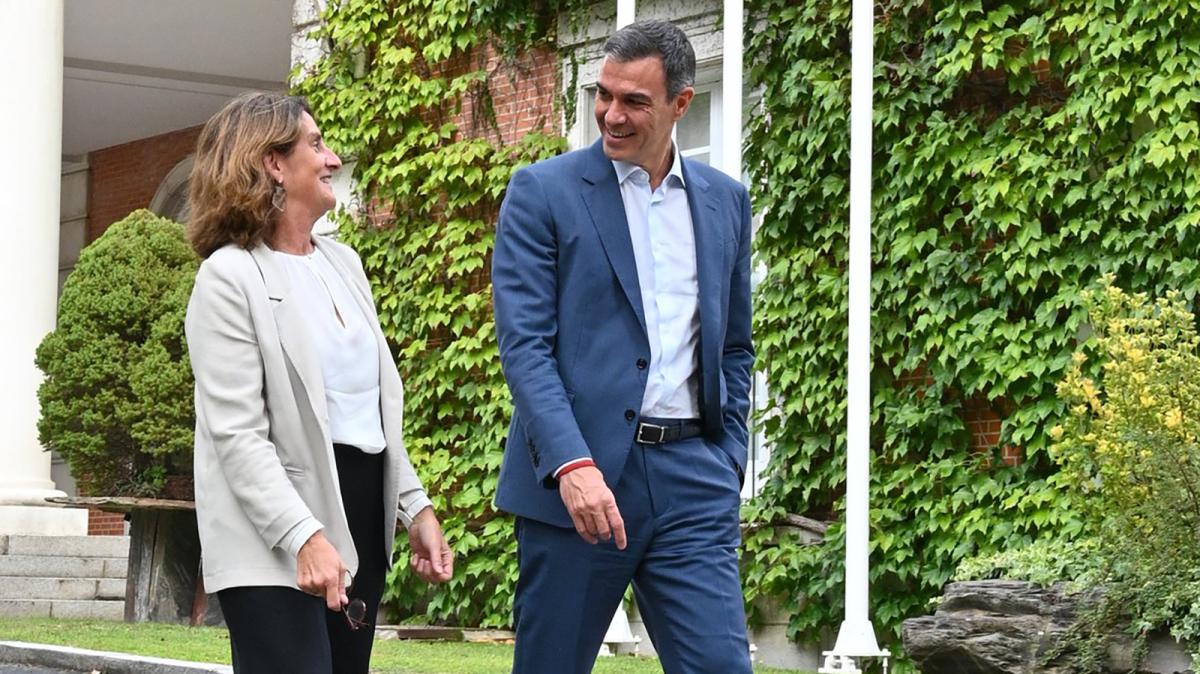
[{"x": 641, "y": 434}]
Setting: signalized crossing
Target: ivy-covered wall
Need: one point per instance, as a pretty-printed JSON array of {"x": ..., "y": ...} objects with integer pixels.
[{"x": 1022, "y": 150}]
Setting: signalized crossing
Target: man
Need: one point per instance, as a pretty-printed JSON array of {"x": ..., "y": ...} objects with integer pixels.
[{"x": 622, "y": 297}]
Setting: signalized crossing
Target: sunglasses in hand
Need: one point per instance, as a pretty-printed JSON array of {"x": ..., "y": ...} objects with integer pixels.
[{"x": 356, "y": 614}]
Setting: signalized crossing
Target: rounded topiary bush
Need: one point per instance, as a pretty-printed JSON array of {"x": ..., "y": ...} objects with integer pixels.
[{"x": 116, "y": 401}]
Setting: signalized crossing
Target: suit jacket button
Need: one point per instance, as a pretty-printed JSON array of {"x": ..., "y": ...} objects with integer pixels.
[
  {"x": 629, "y": 415},
  {"x": 642, "y": 364}
]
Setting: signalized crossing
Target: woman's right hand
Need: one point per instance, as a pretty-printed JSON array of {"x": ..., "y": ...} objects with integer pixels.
[{"x": 320, "y": 572}]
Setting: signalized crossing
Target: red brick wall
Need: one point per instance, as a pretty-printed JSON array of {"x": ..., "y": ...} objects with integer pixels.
[
  {"x": 523, "y": 92},
  {"x": 125, "y": 177},
  {"x": 981, "y": 417},
  {"x": 101, "y": 523},
  {"x": 983, "y": 420},
  {"x": 524, "y": 96}
]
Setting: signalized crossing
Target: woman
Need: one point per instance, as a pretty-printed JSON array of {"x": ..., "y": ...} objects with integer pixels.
[{"x": 301, "y": 471}]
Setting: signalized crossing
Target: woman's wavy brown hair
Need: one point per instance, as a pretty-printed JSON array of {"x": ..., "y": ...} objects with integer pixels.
[{"x": 230, "y": 192}]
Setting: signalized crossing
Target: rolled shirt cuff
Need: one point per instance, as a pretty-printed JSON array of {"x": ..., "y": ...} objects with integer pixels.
[
  {"x": 299, "y": 534},
  {"x": 411, "y": 507}
]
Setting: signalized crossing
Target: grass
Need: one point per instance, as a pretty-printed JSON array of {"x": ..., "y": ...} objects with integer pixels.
[{"x": 211, "y": 644}]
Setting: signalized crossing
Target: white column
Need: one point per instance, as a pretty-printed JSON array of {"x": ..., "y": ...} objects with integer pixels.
[
  {"x": 618, "y": 629},
  {"x": 626, "y": 10},
  {"x": 31, "y": 97},
  {"x": 731, "y": 90}
]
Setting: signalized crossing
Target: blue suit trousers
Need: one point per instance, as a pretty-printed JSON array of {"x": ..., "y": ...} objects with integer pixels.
[{"x": 679, "y": 502}]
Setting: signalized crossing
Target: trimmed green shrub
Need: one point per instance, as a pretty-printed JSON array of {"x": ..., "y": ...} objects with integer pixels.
[
  {"x": 1045, "y": 561},
  {"x": 117, "y": 398}
]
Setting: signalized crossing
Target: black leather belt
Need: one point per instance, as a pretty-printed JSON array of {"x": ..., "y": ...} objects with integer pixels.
[{"x": 662, "y": 431}]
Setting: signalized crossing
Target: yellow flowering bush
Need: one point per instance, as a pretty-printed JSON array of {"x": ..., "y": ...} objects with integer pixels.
[
  {"x": 1129, "y": 444},
  {"x": 1129, "y": 455}
]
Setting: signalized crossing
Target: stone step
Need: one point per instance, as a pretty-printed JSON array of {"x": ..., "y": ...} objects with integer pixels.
[
  {"x": 20, "y": 587},
  {"x": 66, "y": 546},
  {"x": 62, "y": 608},
  {"x": 63, "y": 576},
  {"x": 63, "y": 567}
]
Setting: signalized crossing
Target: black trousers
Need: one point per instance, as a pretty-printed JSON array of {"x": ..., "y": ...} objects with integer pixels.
[{"x": 277, "y": 630}]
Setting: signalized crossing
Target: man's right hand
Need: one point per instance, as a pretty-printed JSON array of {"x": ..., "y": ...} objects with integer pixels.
[
  {"x": 592, "y": 506},
  {"x": 320, "y": 571}
]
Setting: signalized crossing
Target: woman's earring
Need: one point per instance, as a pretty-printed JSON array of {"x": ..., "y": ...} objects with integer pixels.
[{"x": 278, "y": 195}]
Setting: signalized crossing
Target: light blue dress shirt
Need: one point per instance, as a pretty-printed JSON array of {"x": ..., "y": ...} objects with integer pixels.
[{"x": 664, "y": 248}]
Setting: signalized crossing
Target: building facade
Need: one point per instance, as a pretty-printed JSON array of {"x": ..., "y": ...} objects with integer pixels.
[
  {"x": 104, "y": 104},
  {"x": 134, "y": 84}
]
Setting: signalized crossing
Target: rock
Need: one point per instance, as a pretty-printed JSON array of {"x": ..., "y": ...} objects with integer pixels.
[
  {"x": 1009, "y": 627},
  {"x": 988, "y": 627}
]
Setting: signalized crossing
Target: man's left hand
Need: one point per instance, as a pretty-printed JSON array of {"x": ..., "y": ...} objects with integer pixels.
[{"x": 431, "y": 558}]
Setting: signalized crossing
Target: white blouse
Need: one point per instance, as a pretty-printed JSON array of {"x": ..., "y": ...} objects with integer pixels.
[{"x": 345, "y": 346}]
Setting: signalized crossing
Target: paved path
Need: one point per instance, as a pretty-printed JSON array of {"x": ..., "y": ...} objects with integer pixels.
[{"x": 30, "y": 669}]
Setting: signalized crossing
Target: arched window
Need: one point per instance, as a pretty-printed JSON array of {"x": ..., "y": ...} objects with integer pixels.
[{"x": 171, "y": 199}]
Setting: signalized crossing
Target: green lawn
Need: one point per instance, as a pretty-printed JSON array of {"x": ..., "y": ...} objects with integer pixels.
[{"x": 208, "y": 644}]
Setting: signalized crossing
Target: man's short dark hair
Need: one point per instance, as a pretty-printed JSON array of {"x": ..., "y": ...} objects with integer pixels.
[{"x": 661, "y": 40}]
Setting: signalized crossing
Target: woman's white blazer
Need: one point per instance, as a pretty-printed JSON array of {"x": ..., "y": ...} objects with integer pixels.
[{"x": 264, "y": 459}]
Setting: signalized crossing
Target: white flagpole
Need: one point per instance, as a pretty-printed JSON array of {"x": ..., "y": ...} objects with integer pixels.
[
  {"x": 856, "y": 638},
  {"x": 619, "y": 631}
]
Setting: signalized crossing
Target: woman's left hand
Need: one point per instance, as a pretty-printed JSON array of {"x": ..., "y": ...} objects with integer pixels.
[{"x": 431, "y": 558}]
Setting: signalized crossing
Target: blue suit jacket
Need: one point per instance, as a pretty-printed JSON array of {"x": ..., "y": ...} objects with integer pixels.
[{"x": 571, "y": 326}]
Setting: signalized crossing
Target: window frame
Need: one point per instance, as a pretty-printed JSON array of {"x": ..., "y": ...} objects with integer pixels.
[{"x": 581, "y": 132}]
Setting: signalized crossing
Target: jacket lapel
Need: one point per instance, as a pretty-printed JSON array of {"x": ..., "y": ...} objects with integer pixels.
[
  {"x": 710, "y": 257},
  {"x": 602, "y": 195},
  {"x": 289, "y": 322},
  {"x": 391, "y": 390}
]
